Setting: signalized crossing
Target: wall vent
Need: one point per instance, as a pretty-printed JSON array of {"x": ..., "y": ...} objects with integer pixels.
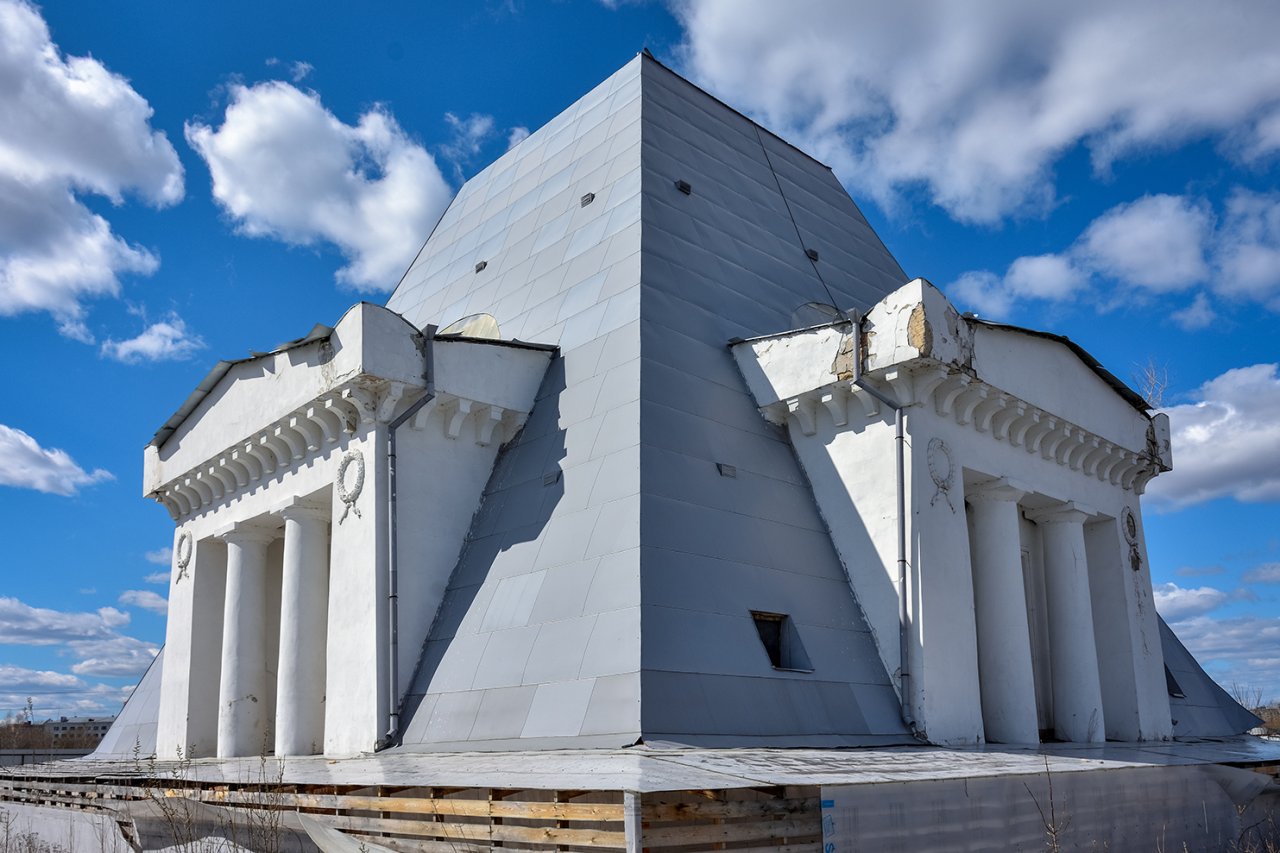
[
  {"x": 781, "y": 641},
  {"x": 587, "y": 199},
  {"x": 684, "y": 187}
]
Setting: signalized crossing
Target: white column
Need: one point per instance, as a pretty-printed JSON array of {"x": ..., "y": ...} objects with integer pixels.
[
  {"x": 242, "y": 694},
  {"x": 1077, "y": 691},
  {"x": 1006, "y": 677},
  {"x": 304, "y": 606}
]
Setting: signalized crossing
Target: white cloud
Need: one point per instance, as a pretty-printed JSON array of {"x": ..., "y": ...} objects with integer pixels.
[
  {"x": 516, "y": 136},
  {"x": 285, "y": 167},
  {"x": 1198, "y": 315},
  {"x": 26, "y": 465},
  {"x": 22, "y": 624},
  {"x": 92, "y": 638},
  {"x": 1242, "y": 650},
  {"x": 119, "y": 657},
  {"x": 1248, "y": 256},
  {"x": 976, "y": 102},
  {"x": 1156, "y": 243},
  {"x": 1175, "y": 603},
  {"x": 468, "y": 135},
  {"x": 73, "y": 699},
  {"x": 70, "y": 127},
  {"x": 167, "y": 340},
  {"x": 983, "y": 292},
  {"x": 160, "y": 556},
  {"x": 1226, "y": 442},
  {"x": 300, "y": 71},
  {"x": 146, "y": 599},
  {"x": 157, "y": 578}
]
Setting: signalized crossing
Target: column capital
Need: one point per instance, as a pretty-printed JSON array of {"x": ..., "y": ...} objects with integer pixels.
[
  {"x": 1000, "y": 489},
  {"x": 1069, "y": 512},
  {"x": 300, "y": 510},
  {"x": 246, "y": 532}
]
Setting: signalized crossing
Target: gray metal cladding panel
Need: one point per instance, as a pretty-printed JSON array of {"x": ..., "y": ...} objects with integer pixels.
[
  {"x": 611, "y": 490},
  {"x": 1205, "y": 709},
  {"x": 133, "y": 733},
  {"x": 693, "y": 704},
  {"x": 720, "y": 262}
]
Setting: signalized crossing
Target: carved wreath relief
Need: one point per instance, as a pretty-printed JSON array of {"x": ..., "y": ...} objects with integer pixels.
[
  {"x": 183, "y": 554},
  {"x": 942, "y": 468},
  {"x": 1129, "y": 524},
  {"x": 349, "y": 482}
]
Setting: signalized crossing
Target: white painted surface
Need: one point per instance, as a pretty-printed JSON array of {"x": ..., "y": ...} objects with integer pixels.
[
  {"x": 1004, "y": 404},
  {"x": 1077, "y": 692},
  {"x": 242, "y": 694},
  {"x": 300, "y": 691},
  {"x": 1004, "y": 642}
]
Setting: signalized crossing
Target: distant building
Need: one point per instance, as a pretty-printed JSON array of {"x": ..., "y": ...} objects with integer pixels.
[{"x": 79, "y": 731}]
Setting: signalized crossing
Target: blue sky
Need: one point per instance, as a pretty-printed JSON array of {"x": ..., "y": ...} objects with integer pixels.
[{"x": 182, "y": 186}]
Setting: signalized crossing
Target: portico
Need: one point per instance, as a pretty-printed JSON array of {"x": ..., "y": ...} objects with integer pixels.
[
  {"x": 1028, "y": 613},
  {"x": 279, "y": 592}
]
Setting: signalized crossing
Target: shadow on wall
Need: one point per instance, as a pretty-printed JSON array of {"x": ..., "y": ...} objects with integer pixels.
[{"x": 519, "y": 499}]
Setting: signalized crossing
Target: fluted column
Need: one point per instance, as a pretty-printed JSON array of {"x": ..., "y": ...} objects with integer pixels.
[
  {"x": 1077, "y": 691},
  {"x": 1006, "y": 677},
  {"x": 304, "y": 607},
  {"x": 242, "y": 694}
]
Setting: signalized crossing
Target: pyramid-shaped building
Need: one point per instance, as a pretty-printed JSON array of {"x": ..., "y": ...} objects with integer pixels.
[{"x": 625, "y": 458}]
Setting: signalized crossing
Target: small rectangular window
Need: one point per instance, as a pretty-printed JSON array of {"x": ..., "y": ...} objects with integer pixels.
[{"x": 781, "y": 641}]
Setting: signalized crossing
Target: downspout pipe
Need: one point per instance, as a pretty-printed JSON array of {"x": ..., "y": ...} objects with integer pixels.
[
  {"x": 393, "y": 544},
  {"x": 904, "y": 672}
]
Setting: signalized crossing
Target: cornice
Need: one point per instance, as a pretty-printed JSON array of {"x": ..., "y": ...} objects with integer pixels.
[
  {"x": 314, "y": 430},
  {"x": 980, "y": 406}
]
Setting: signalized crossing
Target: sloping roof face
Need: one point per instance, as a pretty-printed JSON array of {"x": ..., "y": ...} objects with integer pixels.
[
  {"x": 1204, "y": 709},
  {"x": 133, "y": 733},
  {"x": 606, "y": 590}
]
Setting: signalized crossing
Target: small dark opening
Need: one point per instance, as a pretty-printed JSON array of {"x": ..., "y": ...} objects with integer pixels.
[
  {"x": 812, "y": 254},
  {"x": 781, "y": 641},
  {"x": 684, "y": 187},
  {"x": 480, "y": 266},
  {"x": 587, "y": 199},
  {"x": 1175, "y": 689}
]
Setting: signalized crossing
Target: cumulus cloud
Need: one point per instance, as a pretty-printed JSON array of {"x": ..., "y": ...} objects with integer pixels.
[
  {"x": 516, "y": 136},
  {"x": 1153, "y": 246},
  {"x": 1198, "y": 315},
  {"x": 976, "y": 103},
  {"x": 22, "y": 624},
  {"x": 119, "y": 657},
  {"x": 167, "y": 340},
  {"x": 285, "y": 167},
  {"x": 93, "y": 638},
  {"x": 1156, "y": 243},
  {"x": 1226, "y": 441},
  {"x": 146, "y": 599},
  {"x": 58, "y": 694},
  {"x": 1249, "y": 249},
  {"x": 1175, "y": 603},
  {"x": 24, "y": 464},
  {"x": 160, "y": 556},
  {"x": 1242, "y": 650},
  {"x": 71, "y": 127},
  {"x": 157, "y": 578}
]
